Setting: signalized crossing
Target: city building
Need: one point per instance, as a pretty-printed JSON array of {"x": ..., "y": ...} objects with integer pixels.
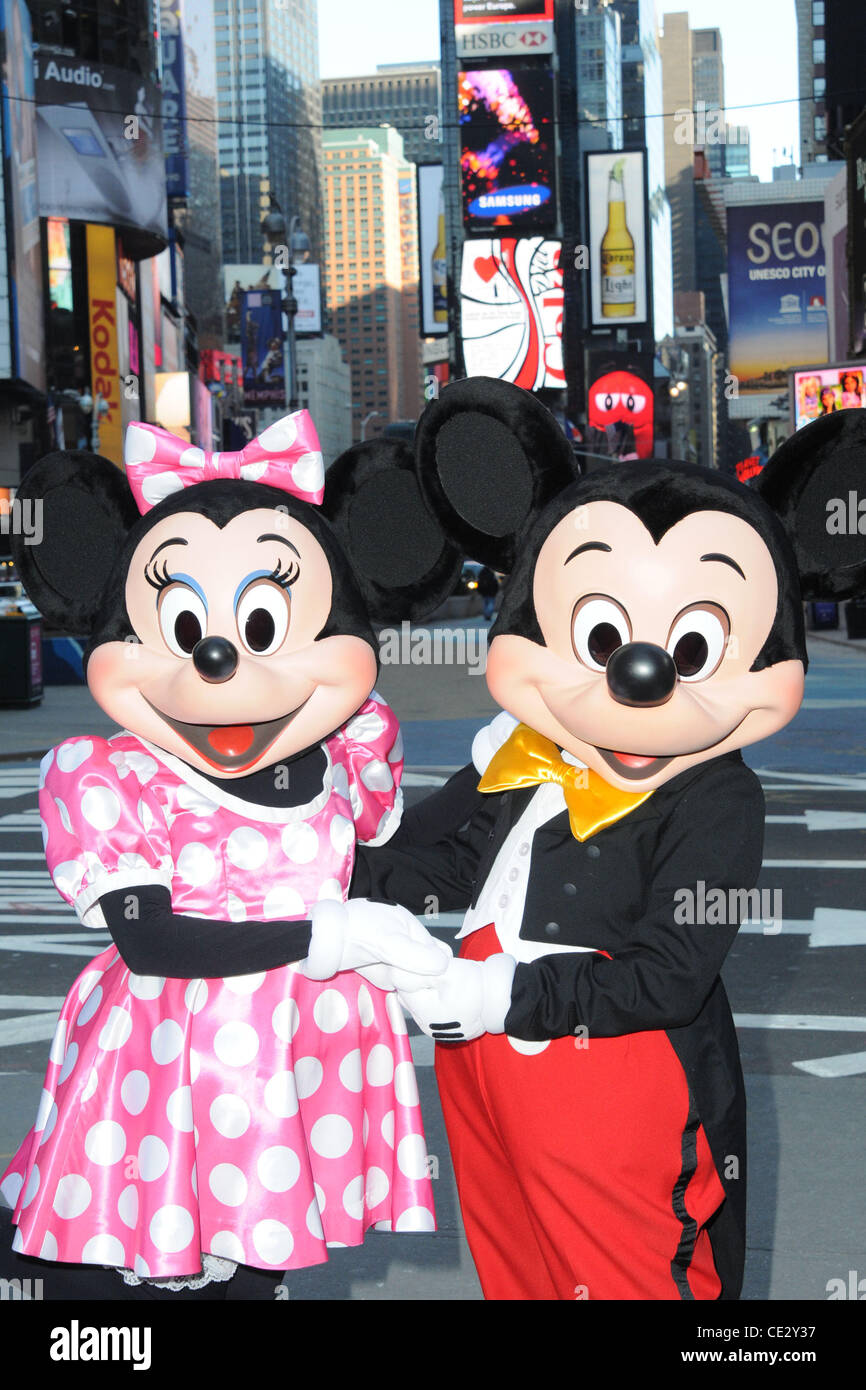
[
  {"x": 675, "y": 47},
  {"x": 371, "y": 273},
  {"x": 405, "y": 95},
  {"x": 325, "y": 389},
  {"x": 738, "y": 158},
  {"x": 697, "y": 341},
  {"x": 811, "y": 71},
  {"x": 708, "y": 83},
  {"x": 270, "y": 117},
  {"x": 599, "y": 77}
]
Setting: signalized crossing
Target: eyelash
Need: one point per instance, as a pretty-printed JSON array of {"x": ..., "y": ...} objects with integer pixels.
[
  {"x": 156, "y": 580},
  {"x": 285, "y": 578}
]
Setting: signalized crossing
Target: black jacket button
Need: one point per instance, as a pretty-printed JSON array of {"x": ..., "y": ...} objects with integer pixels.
[
  {"x": 569, "y": 889},
  {"x": 593, "y": 852},
  {"x": 552, "y": 929}
]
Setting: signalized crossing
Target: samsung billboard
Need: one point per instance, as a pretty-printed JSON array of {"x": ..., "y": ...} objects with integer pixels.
[{"x": 507, "y": 146}]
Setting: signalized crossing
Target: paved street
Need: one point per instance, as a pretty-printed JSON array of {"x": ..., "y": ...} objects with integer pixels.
[{"x": 798, "y": 988}]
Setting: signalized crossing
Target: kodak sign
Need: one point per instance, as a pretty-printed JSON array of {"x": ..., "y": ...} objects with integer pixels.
[{"x": 104, "y": 363}]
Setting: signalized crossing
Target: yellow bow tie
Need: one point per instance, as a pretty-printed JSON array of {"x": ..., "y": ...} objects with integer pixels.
[{"x": 527, "y": 758}]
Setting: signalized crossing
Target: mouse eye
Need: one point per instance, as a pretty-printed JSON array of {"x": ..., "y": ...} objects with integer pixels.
[
  {"x": 182, "y": 618},
  {"x": 263, "y": 617},
  {"x": 598, "y": 626},
  {"x": 698, "y": 640}
]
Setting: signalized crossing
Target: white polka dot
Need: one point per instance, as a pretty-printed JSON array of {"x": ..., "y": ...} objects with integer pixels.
[
  {"x": 103, "y": 1250},
  {"x": 282, "y": 902},
  {"x": 68, "y": 1062},
  {"x": 281, "y": 1096},
  {"x": 117, "y": 1030},
  {"x": 251, "y": 472},
  {"x": 405, "y": 1084},
  {"x": 366, "y": 1012},
  {"x": 308, "y": 472},
  {"x": 72, "y": 1197},
  {"x": 152, "y": 1158},
  {"x": 230, "y": 1116},
  {"x": 49, "y": 1247},
  {"x": 134, "y": 1091},
  {"x": 63, "y": 814},
  {"x": 244, "y": 984},
  {"x": 377, "y": 776},
  {"x": 285, "y": 1020},
  {"x": 527, "y": 1048},
  {"x": 100, "y": 807},
  {"x": 228, "y": 1184},
  {"x": 415, "y": 1219},
  {"x": 308, "y": 1076},
  {"x": 353, "y": 1198},
  {"x": 331, "y": 1011},
  {"x": 68, "y": 877},
  {"x": 331, "y": 1136},
  {"x": 141, "y": 1267},
  {"x": 70, "y": 756},
  {"x": 191, "y": 799},
  {"x": 50, "y": 1123},
  {"x": 365, "y": 728},
  {"x": 166, "y": 1041},
  {"x": 192, "y": 458},
  {"x": 142, "y": 765},
  {"x": 350, "y": 1071},
  {"x": 171, "y": 1229},
  {"x": 46, "y": 1100},
  {"x": 11, "y": 1188},
  {"x": 158, "y": 486},
  {"x": 145, "y": 815},
  {"x": 195, "y": 996},
  {"x": 89, "y": 980},
  {"x": 92, "y": 1083},
  {"x": 380, "y": 1065},
  {"x": 139, "y": 445},
  {"x": 340, "y": 780},
  {"x": 94, "y": 999},
  {"x": 278, "y": 1168},
  {"x": 396, "y": 753},
  {"x": 194, "y": 1065},
  {"x": 237, "y": 909},
  {"x": 273, "y": 1242},
  {"x": 32, "y": 1186},
  {"x": 300, "y": 843},
  {"x": 105, "y": 1143},
  {"x": 365, "y": 1129},
  {"x": 342, "y": 833},
  {"x": 178, "y": 1109},
  {"x": 314, "y": 1220},
  {"x": 388, "y": 1129},
  {"x": 412, "y": 1156},
  {"x": 196, "y": 864},
  {"x": 330, "y": 891},
  {"x": 236, "y": 1043},
  {"x": 246, "y": 848},
  {"x": 227, "y": 1245},
  {"x": 146, "y": 986},
  {"x": 396, "y": 1017},
  {"x": 279, "y": 436},
  {"x": 377, "y": 1187},
  {"x": 58, "y": 1042},
  {"x": 127, "y": 1206}
]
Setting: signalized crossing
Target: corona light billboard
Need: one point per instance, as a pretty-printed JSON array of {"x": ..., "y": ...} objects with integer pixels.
[{"x": 618, "y": 238}]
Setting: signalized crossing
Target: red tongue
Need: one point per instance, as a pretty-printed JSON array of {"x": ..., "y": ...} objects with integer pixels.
[
  {"x": 232, "y": 740},
  {"x": 634, "y": 759}
]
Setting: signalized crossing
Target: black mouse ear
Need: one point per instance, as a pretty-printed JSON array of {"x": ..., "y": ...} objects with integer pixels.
[
  {"x": 398, "y": 552},
  {"x": 813, "y": 482},
  {"x": 489, "y": 457},
  {"x": 80, "y": 508}
]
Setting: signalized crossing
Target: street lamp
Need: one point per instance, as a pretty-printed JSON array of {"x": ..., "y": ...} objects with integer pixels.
[
  {"x": 298, "y": 248},
  {"x": 366, "y": 420}
]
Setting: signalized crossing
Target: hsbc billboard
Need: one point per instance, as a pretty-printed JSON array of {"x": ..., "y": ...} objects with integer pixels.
[{"x": 496, "y": 40}]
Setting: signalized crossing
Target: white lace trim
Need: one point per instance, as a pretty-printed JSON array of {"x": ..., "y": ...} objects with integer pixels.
[{"x": 214, "y": 1270}]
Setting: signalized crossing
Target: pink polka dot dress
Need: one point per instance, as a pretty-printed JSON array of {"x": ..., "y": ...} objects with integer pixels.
[{"x": 259, "y": 1118}]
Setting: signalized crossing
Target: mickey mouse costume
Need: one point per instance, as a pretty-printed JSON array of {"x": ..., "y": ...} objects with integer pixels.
[
  {"x": 651, "y": 628},
  {"x": 224, "y": 1089}
]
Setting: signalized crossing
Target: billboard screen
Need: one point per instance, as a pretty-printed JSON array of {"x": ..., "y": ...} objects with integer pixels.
[
  {"x": 512, "y": 301},
  {"x": 100, "y": 155},
  {"x": 776, "y": 292},
  {"x": 823, "y": 390},
  {"x": 507, "y": 146},
  {"x": 432, "y": 251},
  {"x": 620, "y": 405},
  {"x": 261, "y": 328},
  {"x": 618, "y": 240},
  {"x": 495, "y": 11},
  {"x": 855, "y": 145},
  {"x": 21, "y": 256},
  {"x": 174, "y": 99},
  {"x": 104, "y": 358}
]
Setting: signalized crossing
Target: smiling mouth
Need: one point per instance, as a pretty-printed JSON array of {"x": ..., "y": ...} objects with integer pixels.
[
  {"x": 229, "y": 747},
  {"x": 633, "y": 766}
]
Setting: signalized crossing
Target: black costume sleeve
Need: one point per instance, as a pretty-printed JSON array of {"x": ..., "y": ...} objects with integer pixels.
[
  {"x": 713, "y": 836},
  {"x": 157, "y": 941},
  {"x": 427, "y": 857}
]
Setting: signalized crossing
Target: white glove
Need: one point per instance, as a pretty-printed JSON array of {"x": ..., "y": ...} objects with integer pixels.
[
  {"x": 472, "y": 997},
  {"x": 490, "y": 739},
  {"x": 357, "y": 933}
]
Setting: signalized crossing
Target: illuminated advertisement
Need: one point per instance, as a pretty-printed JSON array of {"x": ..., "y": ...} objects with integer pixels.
[
  {"x": 855, "y": 156},
  {"x": 59, "y": 264},
  {"x": 100, "y": 156},
  {"x": 618, "y": 239},
  {"x": 20, "y": 258},
  {"x": 507, "y": 40},
  {"x": 776, "y": 292},
  {"x": 104, "y": 362},
  {"x": 824, "y": 390},
  {"x": 432, "y": 251},
  {"x": 174, "y": 99},
  {"x": 620, "y": 405},
  {"x": 507, "y": 146},
  {"x": 307, "y": 290},
  {"x": 512, "y": 304},
  {"x": 484, "y": 11},
  {"x": 264, "y": 371}
]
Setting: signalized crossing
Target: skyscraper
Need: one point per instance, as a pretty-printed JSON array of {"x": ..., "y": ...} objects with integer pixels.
[
  {"x": 270, "y": 116},
  {"x": 678, "y": 89},
  {"x": 404, "y": 95},
  {"x": 708, "y": 80},
  {"x": 831, "y": 37},
  {"x": 599, "y": 78}
]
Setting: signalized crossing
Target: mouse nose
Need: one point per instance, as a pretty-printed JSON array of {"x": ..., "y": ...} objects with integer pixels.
[
  {"x": 215, "y": 659},
  {"x": 641, "y": 674}
]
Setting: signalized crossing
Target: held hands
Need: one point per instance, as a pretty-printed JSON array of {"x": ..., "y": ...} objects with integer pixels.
[
  {"x": 381, "y": 940},
  {"x": 470, "y": 998}
]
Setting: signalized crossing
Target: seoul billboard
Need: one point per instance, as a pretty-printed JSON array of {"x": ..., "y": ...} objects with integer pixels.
[
  {"x": 776, "y": 292},
  {"x": 512, "y": 307},
  {"x": 507, "y": 147}
]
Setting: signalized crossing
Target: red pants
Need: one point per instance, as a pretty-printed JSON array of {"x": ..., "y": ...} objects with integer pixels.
[{"x": 581, "y": 1170}]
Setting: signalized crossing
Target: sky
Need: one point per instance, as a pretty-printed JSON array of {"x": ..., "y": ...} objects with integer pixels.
[{"x": 759, "y": 43}]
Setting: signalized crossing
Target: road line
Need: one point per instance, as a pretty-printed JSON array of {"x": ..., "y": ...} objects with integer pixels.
[{"x": 846, "y": 1064}]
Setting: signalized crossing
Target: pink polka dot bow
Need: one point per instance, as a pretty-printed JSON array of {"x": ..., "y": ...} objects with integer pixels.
[{"x": 286, "y": 455}]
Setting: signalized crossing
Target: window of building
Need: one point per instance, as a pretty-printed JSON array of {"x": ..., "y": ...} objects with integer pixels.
[
  {"x": 819, "y": 86},
  {"x": 818, "y": 50},
  {"x": 818, "y": 13}
]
